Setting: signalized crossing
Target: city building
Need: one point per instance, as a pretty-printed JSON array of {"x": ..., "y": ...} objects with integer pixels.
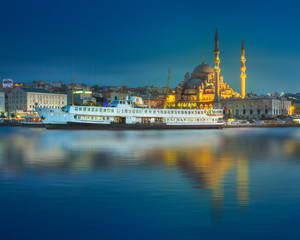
[
  {"x": 260, "y": 107},
  {"x": 7, "y": 83},
  {"x": 2, "y": 103},
  {"x": 24, "y": 100}
]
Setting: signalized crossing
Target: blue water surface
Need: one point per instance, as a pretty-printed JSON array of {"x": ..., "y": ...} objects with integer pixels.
[{"x": 181, "y": 184}]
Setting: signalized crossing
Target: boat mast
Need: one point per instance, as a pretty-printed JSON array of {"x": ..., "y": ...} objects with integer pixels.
[
  {"x": 73, "y": 91},
  {"x": 167, "y": 90}
]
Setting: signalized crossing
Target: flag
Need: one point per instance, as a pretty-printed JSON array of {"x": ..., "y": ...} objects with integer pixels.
[{"x": 225, "y": 108}]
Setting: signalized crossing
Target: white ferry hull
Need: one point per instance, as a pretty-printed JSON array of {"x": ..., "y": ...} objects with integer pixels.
[{"x": 124, "y": 126}]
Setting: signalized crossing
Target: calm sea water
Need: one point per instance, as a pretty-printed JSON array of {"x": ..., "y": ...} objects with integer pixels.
[{"x": 195, "y": 184}]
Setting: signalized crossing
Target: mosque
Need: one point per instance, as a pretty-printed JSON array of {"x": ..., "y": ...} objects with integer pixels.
[{"x": 206, "y": 89}]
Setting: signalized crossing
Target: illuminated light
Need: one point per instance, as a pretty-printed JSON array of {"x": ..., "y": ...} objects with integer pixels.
[{"x": 82, "y": 92}]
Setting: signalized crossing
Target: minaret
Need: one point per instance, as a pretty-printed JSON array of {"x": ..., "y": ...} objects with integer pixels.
[
  {"x": 217, "y": 68},
  {"x": 243, "y": 70}
]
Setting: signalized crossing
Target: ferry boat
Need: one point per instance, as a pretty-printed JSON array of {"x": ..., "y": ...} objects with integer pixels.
[{"x": 129, "y": 113}]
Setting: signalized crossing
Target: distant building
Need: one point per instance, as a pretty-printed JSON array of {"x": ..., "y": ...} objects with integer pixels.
[
  {"x": 23, "y": 100},
  {"x": 2, "y": 103},
  {"x": 257, "y": 107},
  {"x": 7, "y": 83}
]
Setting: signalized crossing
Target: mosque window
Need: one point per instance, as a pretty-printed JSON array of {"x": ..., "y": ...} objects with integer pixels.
[
  {"x": 258, "y": 104},
  {"x": 266, "y": 104},
  {"x": 244, "y": 105},
  {"x": 251, "y": 104},
  {"x": 237, "y": 104}
]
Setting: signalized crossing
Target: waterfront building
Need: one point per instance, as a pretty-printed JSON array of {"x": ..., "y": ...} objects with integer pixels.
[
  {"x": 256, "y": 107},
  {"x": 24, "y": 100},
  {"x": 2, "y": 103}
]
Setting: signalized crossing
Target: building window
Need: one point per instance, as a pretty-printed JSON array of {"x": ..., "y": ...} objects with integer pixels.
[
  {"x": 251, "y": 104},
  {"x": 251, "y": 111},
  {"x": 244, "y": 105},
  {"x": 258, "y": 111},
  {"x": 266, "y": 111},
  {"x": 237, "y": 104},
  {"x": 244, "y": 111},
  {"x": 237, "y": 112}
]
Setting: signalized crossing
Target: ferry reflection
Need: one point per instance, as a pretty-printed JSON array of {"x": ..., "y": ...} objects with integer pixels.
[{"x": 205, "y": 158}]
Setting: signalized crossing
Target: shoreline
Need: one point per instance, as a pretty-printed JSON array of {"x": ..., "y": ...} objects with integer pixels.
[{"x": 262, "y": 125}]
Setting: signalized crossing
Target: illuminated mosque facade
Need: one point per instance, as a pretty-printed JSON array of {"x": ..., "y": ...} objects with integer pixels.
[{"x": 205, "y": 88}]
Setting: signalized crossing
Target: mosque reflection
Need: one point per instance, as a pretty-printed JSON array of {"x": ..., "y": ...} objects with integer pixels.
[{"x": 204, "y": 158}]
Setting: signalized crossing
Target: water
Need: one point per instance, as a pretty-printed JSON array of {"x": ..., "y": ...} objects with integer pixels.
[{"x": 206, "y": 184}]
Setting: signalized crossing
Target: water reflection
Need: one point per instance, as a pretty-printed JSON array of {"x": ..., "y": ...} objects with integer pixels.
[{"x": 205, "y": 159}]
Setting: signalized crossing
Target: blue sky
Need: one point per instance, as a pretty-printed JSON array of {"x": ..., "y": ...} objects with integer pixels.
[{"x": 135, "y": 42}]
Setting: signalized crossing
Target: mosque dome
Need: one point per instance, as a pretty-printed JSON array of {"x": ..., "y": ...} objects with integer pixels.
[
  {"x": 194, "y": 82},
  {"x": 203, "y": 68}
]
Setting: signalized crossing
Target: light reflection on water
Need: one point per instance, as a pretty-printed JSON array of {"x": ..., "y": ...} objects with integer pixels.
[{"x": 149, "y": 184}]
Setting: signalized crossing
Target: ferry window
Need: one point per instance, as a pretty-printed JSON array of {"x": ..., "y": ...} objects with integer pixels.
[
  {"x": 165, "y": 113},
  {"x": 140, "y": 111},
  {"x": 129, "y": 111},
  {"x": 112, "y": 110},
  {"x": 133, "y": 111},
  {"x": 87, "y": 117},
  {"x": 84, "y": 109},
  {"x": 175, "y": 112},
  {"x": 89, "y": 109},
  {"x": 104, "y": 110},
  {"x": 76, "y": 109},
  {"x": 108, "y": 110},
  {"x": 185, "y": 112},
  {"x": 145, "y": 111},
  {"x": 189, "y": 112},
  {"x": 153, "y": 111},
  {"x": 93, "y": 109},
  {"x": 118, "y": 110},
  {"x": 125, "y": 111},
  {"x": 171, "y": 112},
  {"x": 96, "y": 110}
]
